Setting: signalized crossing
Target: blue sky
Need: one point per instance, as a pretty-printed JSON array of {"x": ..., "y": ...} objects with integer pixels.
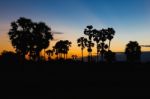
[{"x": 130, "y": 18}]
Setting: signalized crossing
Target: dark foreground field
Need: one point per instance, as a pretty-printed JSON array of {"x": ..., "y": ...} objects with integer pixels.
[{"x": 75, "y": 80}]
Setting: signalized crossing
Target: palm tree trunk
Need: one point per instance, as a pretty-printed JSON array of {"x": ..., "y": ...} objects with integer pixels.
[
  {"x": 30, "y": 54},
  {"x": 60, "y": 56},
  {"x": 49, "y": 58},
  {"x": 91, "y": 56},
  {"x": 57, "y": 56},
  {"x": 109, "y": 45},
  {"x": 66, "y": 56},
  {"x": 82, "y": 55},
  {"x": 102, "y": 57},
  {"x": 37, "y": 57},
  {"x": 44, "y": 54},
  {"x": 97, "y": 52},
  {"x": 102, "y": 53},
  {"x": 23, "y": 57}
]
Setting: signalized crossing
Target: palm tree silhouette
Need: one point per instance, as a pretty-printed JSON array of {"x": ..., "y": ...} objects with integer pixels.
[
  {"x": 102, "y": 45},
  {"x": 89, "y": 32},
  {"x": 103, "y": 50},
  {"x": 66, "y": 45},
  {"x": 110, "y": 35},
  {"x": 82, "y": 42},
  {"x": 89, "y": 49},
  {"x": 57, "y": 49},
  {"x": 49, "y": 53},
  {"x": 97, "y": 37},
  {"x": 133, "y": 51}
]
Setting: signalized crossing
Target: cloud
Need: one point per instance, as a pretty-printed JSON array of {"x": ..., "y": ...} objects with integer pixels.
[
  {"x": 145, "y": 45},
  {"x": 56, "y": 39},
  {"x": 55, "y": 32}
]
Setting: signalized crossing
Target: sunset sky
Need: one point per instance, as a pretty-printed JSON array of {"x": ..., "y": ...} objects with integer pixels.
[{"x": 129, "y": 18}]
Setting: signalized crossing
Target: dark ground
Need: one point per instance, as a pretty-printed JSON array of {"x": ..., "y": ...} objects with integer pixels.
[{"x": 75, "y": 80}]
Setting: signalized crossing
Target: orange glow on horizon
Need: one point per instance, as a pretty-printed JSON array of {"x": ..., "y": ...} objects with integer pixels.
[
  {"x": 116, "y": 45},
  {"x": 74, "y": 49}
]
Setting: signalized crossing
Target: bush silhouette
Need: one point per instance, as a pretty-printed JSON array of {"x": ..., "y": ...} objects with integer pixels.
[
  {"x": 110, "y": 56},
  {"x": 133, "y": 51},
  {"x": 9, "y": 57}
]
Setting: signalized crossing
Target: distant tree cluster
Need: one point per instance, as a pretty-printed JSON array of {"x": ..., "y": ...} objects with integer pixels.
[
  {"x": 99, "y": 37},
  {"x": 31, "y": 38},
  {"x": 62, "y": 48}
]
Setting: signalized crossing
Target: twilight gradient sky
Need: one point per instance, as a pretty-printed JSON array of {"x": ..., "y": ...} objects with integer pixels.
[{"x": 130, "y": 19}]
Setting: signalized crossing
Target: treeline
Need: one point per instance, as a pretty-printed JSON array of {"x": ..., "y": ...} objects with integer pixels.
[{"x": 29, "y": 38}]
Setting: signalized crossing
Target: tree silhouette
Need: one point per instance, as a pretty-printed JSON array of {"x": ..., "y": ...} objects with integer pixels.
[
  {"x": 100, "y": 37},
  {"x": 89, "y": 46},
  {"x": 42, "y": 36},
  {"x": 66, "y": 45},
  {"x": 110, "y": 35},
  {"x": 18, "y": 35},
  {"x": 103, "y": 46},
  {"x": 62, "y": 47},
  {"x": 82, "y": 42},
  {"x": 133, "y": 51},
  {"x": 49, "y": 53},
  {"x": 97, "y": 37},
  {"x": 29, "y": 37},
  {"x": 57, "y": 49},
  {"x": 89, "y": 32}
]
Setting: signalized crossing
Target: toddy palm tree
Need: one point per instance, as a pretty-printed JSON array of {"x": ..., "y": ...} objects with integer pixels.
[
  {"x": 97, "y": 37},
  {"x": 110, "y": 35},
  {"x": 102, "y": 45},
  {"x": 89, "y": 46},
  {"x": 66, "y": 45},
  {"x": 103, "y": 50},
  {"x": 89, "y": 32},
  {"x": 82, "y": 42},
  {"x": 57, "y": 49}
]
